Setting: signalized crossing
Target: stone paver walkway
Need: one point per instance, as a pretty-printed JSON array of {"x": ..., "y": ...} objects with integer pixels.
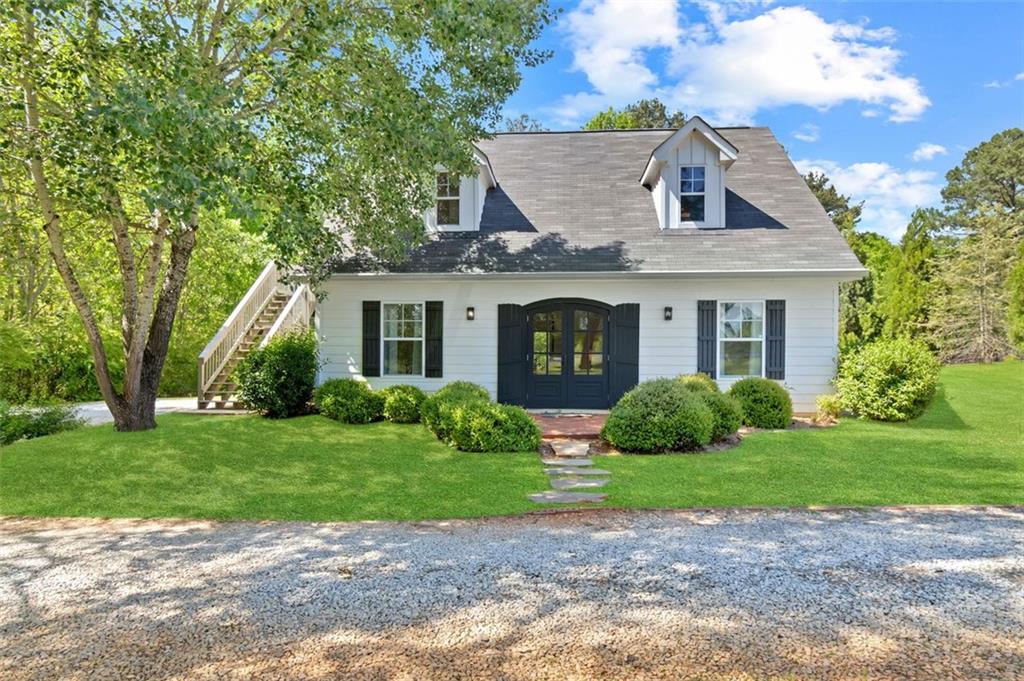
[{"x": 571, "y": 470}]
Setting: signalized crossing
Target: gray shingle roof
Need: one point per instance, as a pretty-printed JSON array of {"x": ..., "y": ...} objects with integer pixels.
[{"x": 572, "y": 202}]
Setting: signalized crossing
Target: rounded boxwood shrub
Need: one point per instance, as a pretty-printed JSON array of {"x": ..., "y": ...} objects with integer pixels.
[
  {"x": 699, "y": 381},
  {"x": 277, "y": 379},
  {"x": 765, "y": 403},
  {"x": 727, "y": 413},
  {"x": 480, "y": 426},
  {"x": 349, "y": 401},
  {"x": 435, "y": 412},
  {"x": 659, "y": 415},
  {"x": 889, "y": 380},
  {"x": 402, "y": 403}
]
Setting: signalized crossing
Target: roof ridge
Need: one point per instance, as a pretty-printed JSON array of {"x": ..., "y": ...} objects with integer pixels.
[{"x": 590, "y": 132}]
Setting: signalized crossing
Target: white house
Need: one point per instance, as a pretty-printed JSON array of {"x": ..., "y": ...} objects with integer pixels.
[{"x": 575, "y": 264}]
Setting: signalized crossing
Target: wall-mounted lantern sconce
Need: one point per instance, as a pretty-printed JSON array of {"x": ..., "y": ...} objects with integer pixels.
[
  {"x": 470, "y": 313},
  {"x": 668, "y": 314}
]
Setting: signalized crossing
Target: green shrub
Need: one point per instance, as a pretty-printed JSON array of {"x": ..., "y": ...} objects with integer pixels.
[
  {"x": 349, "y": 401},
  {"x": 480, "y": 426},
  {"x": 699, "y": 381},
  {"x": 727, "y": 413},
  {"x": 277, "y": 380},
  {"x": 765, "y": 403},
  {"x": 436, "y": 410},
  {"x": 888, "y": 380},
  {"x": 463, "y": 390},
  {"x": 659, "y": 415},
  {"x": 402, "y": 403},
  {"x": 26, "y": 423},
  {"x": 829, "y": 408}
]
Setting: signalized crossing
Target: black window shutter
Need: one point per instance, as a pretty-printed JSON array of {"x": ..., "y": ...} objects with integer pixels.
[
  {"x": 371, "y": 338},
  {"x": 434, "y": 351},
  {"x": 624, "y": 350},
  {"x": 775, "y": 339},
  {"x": 707, "y": 360},
  {"x": 512, "y": 344}
]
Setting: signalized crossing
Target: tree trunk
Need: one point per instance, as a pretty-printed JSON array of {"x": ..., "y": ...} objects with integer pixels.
[{"x": 139, "y": 411}]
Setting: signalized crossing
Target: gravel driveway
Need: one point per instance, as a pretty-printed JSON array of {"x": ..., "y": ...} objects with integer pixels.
[{"x": 726, "y": 594}]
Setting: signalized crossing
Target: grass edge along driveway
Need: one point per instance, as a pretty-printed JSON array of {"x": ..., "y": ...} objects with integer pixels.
[{"x": 967, "y": 449}]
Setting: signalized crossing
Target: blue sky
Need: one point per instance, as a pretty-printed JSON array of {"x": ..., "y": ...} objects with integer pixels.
[{"x": 883, "y": 96}]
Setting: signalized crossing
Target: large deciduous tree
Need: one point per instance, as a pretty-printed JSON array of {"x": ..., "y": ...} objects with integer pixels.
[{"x": 147, "y": 117}]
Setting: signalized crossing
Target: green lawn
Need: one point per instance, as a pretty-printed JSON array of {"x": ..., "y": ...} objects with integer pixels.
[
  {"x": 967, "y": 449},
  {"x": 308, "y": 468}
]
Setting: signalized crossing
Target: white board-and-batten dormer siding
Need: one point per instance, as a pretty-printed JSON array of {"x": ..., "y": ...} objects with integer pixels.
[
  {"x": 693, "y": 150},
  {"x": 667, "y": 348}
]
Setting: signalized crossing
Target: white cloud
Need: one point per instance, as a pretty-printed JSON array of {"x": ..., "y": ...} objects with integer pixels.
[
  {"x": 889, "y": 194},
  {"x": 734, "y": 65},
  {"x": 807, "y": 133},
  {"x": 1019, "y": 76},
  {"x": 926, "y": 151},
  {"x": 609, "y": 40},
  {"x": 995, "y": 84}
]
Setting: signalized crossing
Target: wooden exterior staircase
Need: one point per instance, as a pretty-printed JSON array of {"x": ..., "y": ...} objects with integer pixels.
[{"x": 268, "y": 308}]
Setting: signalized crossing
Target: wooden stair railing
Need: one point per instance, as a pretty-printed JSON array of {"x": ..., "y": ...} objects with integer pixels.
[
  {"x": 268, "y": 309},
  {"x": 219, "y": 351}
]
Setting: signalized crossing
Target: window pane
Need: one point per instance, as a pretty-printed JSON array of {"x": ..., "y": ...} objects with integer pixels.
[
  {"x": 741, "y": 358},
  {"x": 686, "y": 173},
  {"x": 698, "y": 186},
  {"x": 391, "y": 329},
  {"x": 392, "y": 312},
  {"x": 540, "y": 341},
  {"x": 554, "y": 365},
  {"x": 447, "y": 211},
  {"x": 691, "y": 208},
  {"x": 403, "y": 357},
  {"x": 410, "y": 329},
  {"x": 588, "y": 341},
  {"x": 732, "y": 329},
  {"x": 447, "y": 184},
  {"x": 698, "y": 172},
  {"x": 540, "y": 364},
  {"x": 588, "y": 364},
  {"x": 751, "y": 329},
  {"x": 555, "y": 343},
  {"x": 730, "y": 311}
]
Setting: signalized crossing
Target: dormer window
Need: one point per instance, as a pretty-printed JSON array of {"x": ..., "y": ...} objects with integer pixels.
[
  {"x": 691, "y": 194},
  {"x": 447, "y": 200}
]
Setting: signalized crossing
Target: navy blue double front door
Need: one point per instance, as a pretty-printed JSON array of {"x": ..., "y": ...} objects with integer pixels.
[{"x": 567, "y": 363}]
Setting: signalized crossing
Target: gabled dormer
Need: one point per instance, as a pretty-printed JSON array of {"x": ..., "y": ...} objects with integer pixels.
[
  {"x": 686, "y": 177},
  {"x": 459, "y": 200}
]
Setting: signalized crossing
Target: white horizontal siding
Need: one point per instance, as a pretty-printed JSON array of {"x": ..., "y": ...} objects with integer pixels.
[{"x": 666, "y": 348}]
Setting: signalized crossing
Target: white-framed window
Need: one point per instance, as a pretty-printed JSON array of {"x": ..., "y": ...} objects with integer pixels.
[
  {"x": 691, "y": 194},
  {"x": 402, "y": 339},
  {"x": 740, "y": 339},
  {"x": 447, "y": 199}
]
